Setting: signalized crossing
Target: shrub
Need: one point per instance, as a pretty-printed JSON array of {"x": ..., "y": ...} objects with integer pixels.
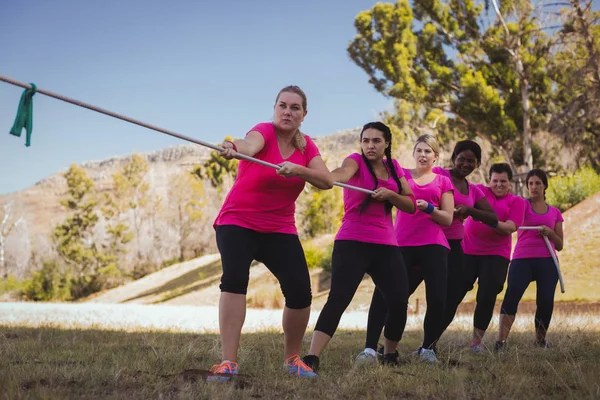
[
  {"x": 49, "y": 283},
  {"x": 318, "y": 257},
  {"x": 566, "y": 191}
]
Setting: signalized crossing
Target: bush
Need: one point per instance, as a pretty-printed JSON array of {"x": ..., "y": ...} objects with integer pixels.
[
  {"x": 11, "y": 284},
  {"x": 49, "y": 283},
  {"x": 318, "y": 257},
  {"x": 566, "y": 191}
]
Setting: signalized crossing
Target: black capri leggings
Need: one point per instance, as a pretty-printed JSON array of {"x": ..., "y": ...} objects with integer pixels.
[
  {"x": 522, "y": 272},
  {"x": 281, "y": 253},
  {"x": 490, "y": 273},
  {"x": 429, "y": 263},
  {"x": 350, "y": 261}
]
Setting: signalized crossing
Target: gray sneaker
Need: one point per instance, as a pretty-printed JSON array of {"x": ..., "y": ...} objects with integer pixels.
[
  {"x": 366, "y": 357},
  {"x": 477, "y": 348},
  {"x": 429, "y": 356}
]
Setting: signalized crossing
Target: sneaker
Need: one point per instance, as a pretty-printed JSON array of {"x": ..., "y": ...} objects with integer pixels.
[
  {"x": 312, "y": 361},
  {"x": 417, "y": 352},
  {"x": 367, "y": 356},
  {"x": 499, "y": 346},
  {"x": 223, "y": 372},
  {"x": 294, "y": 365},
  {"x": 428, "y": 355},
  {"x": 544, "y": 344},
  {"x": 391, "y": 359},
  {"x": 477, "y": 348}
]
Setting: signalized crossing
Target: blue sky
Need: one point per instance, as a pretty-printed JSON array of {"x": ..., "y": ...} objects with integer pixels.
[{"x": 203, "y": 69}]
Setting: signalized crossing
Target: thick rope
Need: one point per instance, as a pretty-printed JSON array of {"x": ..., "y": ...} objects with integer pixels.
[{"x": 158, "y": 129}]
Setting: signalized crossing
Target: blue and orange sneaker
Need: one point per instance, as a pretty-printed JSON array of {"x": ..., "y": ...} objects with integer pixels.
[
  {"x": 294, "y": 365},
  {"x": 224, "y": 372}
]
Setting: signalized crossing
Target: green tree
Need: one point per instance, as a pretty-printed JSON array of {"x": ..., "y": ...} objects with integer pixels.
[
  {"x": 216, "y": 168},
  {"x": 447, "y": 68},
  {"x": 322, "y": 211},
  {"x": 186, "y": 196}
]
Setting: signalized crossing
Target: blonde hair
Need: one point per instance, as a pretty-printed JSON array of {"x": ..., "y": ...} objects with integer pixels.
[
  {"x": 430, "y": 141},
  {"x": 299, "y": 141}
]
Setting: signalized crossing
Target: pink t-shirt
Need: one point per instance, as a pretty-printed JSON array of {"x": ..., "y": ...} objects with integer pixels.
[
  {"x": 260, "y": 199},
  {"x": 419, "y": 229},
  {"x": 374, "y": 225},
  {"x": 480, "y": 239},
  {"x": 529, "y": 243},
  {"x": 456, "y": 231}
]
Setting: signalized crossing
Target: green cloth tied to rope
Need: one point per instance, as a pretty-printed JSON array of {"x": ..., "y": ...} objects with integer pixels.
[{"x": 24, "y": 118}]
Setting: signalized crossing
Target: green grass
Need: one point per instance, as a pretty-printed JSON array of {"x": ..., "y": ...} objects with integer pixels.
[{"x": 55, "y": 363}]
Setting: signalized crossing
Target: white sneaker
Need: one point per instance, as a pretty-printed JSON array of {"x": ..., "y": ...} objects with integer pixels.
[
  {"x": 428, "y": 355},
  {"x": 477, "y": 348},
  {"x": 367, "y": 356}
]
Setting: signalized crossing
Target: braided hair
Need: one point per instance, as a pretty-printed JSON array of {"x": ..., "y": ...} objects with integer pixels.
[{"x": 387, "y": 136}]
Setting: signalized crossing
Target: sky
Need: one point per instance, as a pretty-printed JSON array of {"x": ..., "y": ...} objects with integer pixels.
[{"x": 204, "y": 69}]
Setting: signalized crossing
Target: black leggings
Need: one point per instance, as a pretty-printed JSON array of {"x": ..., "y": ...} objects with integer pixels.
[
  {"x": 427, "y": 263},
  {"x": 522, "y": 272},
  {"x": 350, "y": 261},
  {"x": 490, "y": 274},
  {"x": 281, "y": 253}
]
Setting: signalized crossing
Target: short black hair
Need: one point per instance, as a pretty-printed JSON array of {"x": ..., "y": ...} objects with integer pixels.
[
  {"x": 464, "y": 145},
  {"x": 500, "y": 168}
]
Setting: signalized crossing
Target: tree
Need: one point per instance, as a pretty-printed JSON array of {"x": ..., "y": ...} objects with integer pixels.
[
  {"x": 447, "y": 68},
  {"x": 186, "y": 196},
  {"x": 322, "y": 211},
  {"x": 131, "y": 195},
  {"x": 74, "y": 237},
  {"x": 216, "y": 168},
  {"x": 8, "y": 221}
]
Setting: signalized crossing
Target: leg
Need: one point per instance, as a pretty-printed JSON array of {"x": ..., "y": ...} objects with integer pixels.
[
  {"x": 519, "y": 277},
  {"x": 457, "y": 286},
  {"x": 238, "y": 248},
  {"x": 282, "y": 254},
  {"x": 492, "y": 275},
  {"x": 546, "y": 280},
  {"x": 350, "y": 260},
  {"x": 390, "y": 277},
  {"x": 434, "y": 261}
]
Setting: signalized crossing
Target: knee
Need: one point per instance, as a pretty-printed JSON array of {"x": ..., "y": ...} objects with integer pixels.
[
  {"x": 298, "y": 297},
  {"x": 234, "y": 283}
]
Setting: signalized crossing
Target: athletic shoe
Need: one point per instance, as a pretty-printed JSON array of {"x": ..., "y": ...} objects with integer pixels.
[
  {"x": 391, "y": 359},
  {"x": 499, "y": 346},
  {"x": 367, "y": 356},
  {"x": 544, "y": 344},
  {"x": 294, "y": 365},
  {"x": 223, "y": 372},
  {"x": 312, "y": 362},
  {"x": 428, "y": 355},
  {"x": 477, "y": 348}
]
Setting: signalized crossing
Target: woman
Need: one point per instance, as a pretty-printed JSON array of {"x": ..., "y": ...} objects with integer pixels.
[
  {"x": 423, "y": 245},
  {"x": 531, "y": 261},
  {"x": 469, "y": 201},
  {"x": 256, "y": 222},
  {"x": 487, "y": 250},
  {"x": 366, "y": 241}
]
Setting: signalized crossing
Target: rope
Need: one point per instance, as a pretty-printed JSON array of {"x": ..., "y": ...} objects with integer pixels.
[
  {"x": 153, "y": 127},
  {"x": 552, "y": 254}
]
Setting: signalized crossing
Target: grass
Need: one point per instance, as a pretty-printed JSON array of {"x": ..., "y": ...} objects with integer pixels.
[{"x": 56, "y": 363}]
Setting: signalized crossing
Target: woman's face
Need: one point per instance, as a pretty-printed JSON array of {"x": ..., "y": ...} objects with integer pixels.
[
  {"x": 465, "y": 163},
  {"x": 500, "y": 184},
  {"x": 536, "y": 187},
  {"x": 373, "y": 144},
  {"x": 424, "y": 156},
  {"x": 289, "y": 112}
]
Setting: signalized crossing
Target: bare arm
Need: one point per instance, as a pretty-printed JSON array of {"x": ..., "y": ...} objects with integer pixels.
[
  {"x": 443, "y": 214},
  {"x": 346, "y": 171},
  {"x": 316, "y": 173},
  {"x": 505, "y": 228},
  {"x": 404, "y": 202},
  {"x": 250, "y": 145},
  {"x": 556, "y": 235},
  {"x": 482, "y": 211}
]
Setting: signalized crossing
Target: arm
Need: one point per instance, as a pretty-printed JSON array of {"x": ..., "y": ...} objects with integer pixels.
[
  {"x": 345, "y": 172},
  {"x": 482, "y": 211},
  {"x": 443, "y": 214},
  {"x": 316, "y": 173},
  {"x": 404, "y": 202},
  {"x": 555, "y": 236},
  {"x": 505, "y": 228},
  {"x": 250, "y": 145}
]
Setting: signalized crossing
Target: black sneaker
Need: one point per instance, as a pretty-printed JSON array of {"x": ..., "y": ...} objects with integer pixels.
[
  {"x": 499, "y": 346},
  {"x": 391, "y": 359},
  {"x": 312, "y": 361}
]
